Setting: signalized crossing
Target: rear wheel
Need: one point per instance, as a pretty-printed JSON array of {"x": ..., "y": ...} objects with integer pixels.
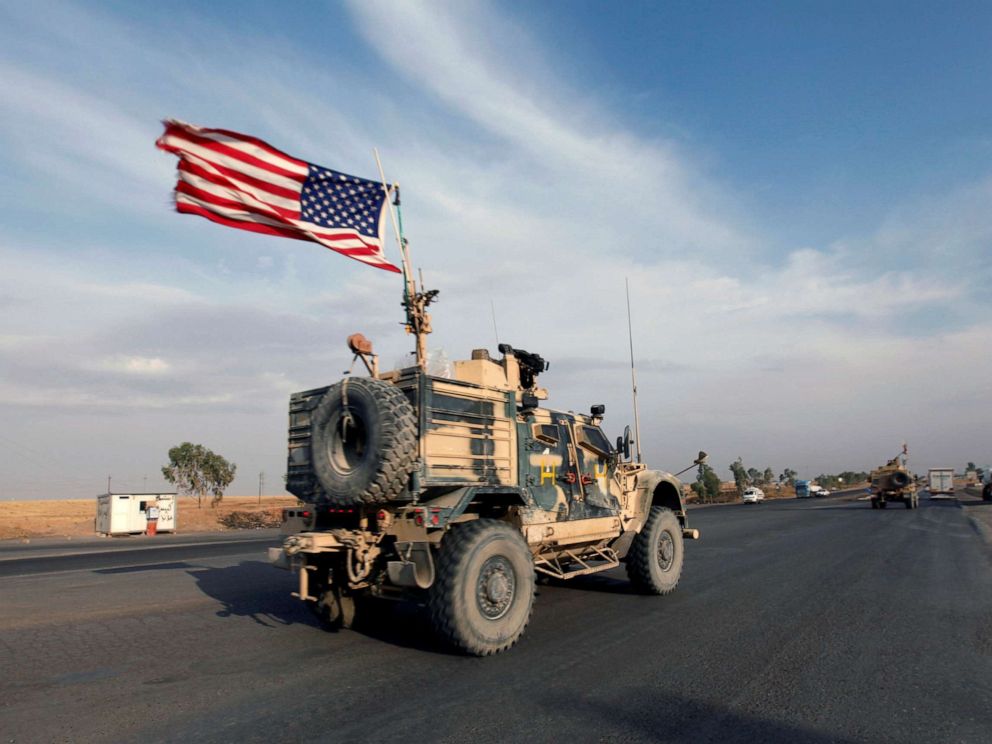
[
  {"x": 336, "y": 609},
  {"x": 482, "y": 597},
  {"x": 654, "y": 563}
]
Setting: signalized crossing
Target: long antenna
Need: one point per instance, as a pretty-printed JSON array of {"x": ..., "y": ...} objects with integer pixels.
[
  {"x": 492, "y": 306},
  {"x": 633, "y": 376}
]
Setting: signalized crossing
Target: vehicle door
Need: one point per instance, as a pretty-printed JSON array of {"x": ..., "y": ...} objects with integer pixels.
[
  {"x": 593, "y": 454},
  {"x": 553, "y": 475}
]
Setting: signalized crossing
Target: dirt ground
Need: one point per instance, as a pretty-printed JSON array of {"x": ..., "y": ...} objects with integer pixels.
[{"x": 75, "y": 517}]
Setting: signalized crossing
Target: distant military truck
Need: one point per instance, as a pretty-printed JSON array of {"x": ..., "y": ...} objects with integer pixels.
[
  {"x": 940, "y": 481},
  {"x": 893, "y": 482},
  {"x": 458, "y": 491}
]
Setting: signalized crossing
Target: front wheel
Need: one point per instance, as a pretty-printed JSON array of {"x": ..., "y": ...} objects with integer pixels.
[
  {"x": 483, "y": 594},
  {"x": 654, "y": 563}
]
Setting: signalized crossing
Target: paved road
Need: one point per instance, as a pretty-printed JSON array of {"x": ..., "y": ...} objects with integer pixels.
[
  {"x": 818, "y": 621},
  {"x": 52, "y": 555}
]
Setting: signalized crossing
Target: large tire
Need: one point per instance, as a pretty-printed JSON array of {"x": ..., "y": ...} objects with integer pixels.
[
  {"x": 363, "y": 451},
  {"x": 483, "y": 594},
  {"x": 654, "y": 563},
  {"x": 987, "y": 492},
  {"x": 900, "y": 479},
  {"x": 336, "y": 609}
]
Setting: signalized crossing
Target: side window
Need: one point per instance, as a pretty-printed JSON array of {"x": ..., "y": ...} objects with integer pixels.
[
  {"x": 593, "y": 439},
  {"x": 547, "y": 433}
]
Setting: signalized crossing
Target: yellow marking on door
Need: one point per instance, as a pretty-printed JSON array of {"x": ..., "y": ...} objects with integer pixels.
[{"x": 549, "y": 473}]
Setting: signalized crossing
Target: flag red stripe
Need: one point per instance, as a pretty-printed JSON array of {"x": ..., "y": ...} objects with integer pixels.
[
  {"x": 231, "y": 152},
  {"x": 187, "y": 164},
  {"x": 258, "y": 143},
  {"x": 277, "y": 211},
  {"x": 300, "y": 229},
  {"x": 281, "y": 232},
  {"x": 258, "y": 227},
  {"x": 185, "y": 187}
]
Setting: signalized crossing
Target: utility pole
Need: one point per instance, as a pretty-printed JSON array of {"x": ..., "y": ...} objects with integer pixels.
[
  {"x": 108, "y": 484},
  {"x": 261, "y": 482}
]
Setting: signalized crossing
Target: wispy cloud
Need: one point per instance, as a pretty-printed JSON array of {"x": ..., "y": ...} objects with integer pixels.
[{"x": 520, "y": 187}]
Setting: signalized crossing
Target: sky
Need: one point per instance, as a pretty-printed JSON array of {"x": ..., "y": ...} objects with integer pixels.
[{"x": 800, "y": 195}]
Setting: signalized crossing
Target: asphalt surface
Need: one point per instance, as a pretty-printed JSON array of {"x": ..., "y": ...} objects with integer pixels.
[{"x": 818, "y": 621}]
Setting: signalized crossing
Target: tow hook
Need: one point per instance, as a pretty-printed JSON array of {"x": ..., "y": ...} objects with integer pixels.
[{"x": 690, "y": 534}]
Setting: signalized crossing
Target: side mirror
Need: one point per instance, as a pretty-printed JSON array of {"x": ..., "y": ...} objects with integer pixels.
[{"x": 623, "y": 443}]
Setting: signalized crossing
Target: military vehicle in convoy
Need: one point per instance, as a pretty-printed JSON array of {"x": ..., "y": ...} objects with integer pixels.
[
  {"x": 893, "y": 482},
  {"x": 458, "y": 490}
]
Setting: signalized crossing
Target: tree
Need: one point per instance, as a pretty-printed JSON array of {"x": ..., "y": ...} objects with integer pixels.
[
  {"x": 707, "y": 485},
  {"x": 740, "y": 475},
  {"x": 195, "y": 470},
  {"x": 753, "y": 475},
  {"x": 768, "y": 477},
  {"x": 971, "y": 466},
  {"x": 789, "y": 476}
]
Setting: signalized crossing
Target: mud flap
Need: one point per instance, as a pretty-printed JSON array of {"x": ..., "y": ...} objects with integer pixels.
[{"x": 415, "y": 568}]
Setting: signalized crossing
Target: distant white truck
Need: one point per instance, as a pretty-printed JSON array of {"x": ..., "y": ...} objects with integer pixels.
[
  {"x": 127, "y": 513},
  {"x": 940, "y": 482}
]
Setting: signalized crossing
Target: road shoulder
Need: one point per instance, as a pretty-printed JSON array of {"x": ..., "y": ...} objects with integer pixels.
[{"x": 979, "y": 512}]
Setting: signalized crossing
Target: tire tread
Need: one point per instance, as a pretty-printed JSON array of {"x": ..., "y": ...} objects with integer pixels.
[
  {"x": 641, "y": 555},
  {"x": 446, "y": 605}
]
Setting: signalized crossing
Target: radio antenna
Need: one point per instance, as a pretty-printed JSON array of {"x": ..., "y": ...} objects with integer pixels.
[
  {"x": 492, "y": 306},
  {"x": 633, "y": 375}
]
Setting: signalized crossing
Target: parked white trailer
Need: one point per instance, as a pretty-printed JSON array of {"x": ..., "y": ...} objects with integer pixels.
[
  {"x": 940, "y": 482},
  {"x": 126, "y": 513}
]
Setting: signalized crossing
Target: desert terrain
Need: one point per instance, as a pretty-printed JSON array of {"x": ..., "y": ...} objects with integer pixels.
[{"x": 74, "y": 517}]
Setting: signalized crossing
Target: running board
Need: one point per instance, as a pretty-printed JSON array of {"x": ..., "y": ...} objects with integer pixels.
[{"x": 590, "y": 561}]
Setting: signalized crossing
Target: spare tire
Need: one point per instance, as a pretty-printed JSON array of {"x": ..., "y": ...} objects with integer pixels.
[
  {"x": 899, "y": 479},
  {"x": 363, "y": 442}
]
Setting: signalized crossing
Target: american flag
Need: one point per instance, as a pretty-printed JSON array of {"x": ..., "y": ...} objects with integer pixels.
[{"x": 243, "y": 182}]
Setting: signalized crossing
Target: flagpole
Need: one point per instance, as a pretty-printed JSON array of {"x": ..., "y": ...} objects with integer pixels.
[
  {"x": 633, "y": 377},
  {"x": 417, "y": 321}
]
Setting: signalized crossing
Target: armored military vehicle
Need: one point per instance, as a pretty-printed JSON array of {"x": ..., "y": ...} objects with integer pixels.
[
  {"x": 459, "y": 490},
  {"x": 893, "y": 482}
]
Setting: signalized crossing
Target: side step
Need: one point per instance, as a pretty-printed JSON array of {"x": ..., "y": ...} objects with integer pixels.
[{"x": 567, "y": 564}]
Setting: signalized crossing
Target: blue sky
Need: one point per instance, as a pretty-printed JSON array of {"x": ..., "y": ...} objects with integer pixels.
[{"x": 798, "y": 192}]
